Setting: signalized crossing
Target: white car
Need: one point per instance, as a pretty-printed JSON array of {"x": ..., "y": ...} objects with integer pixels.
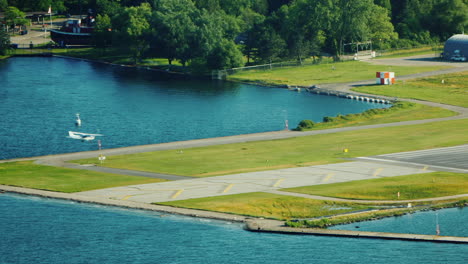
[{"x": 458, "y": 58}]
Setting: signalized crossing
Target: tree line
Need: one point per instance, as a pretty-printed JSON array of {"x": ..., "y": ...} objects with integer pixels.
[{"x": 217, "y": 34}]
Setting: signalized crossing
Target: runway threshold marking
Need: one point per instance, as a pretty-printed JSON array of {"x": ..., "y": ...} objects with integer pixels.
[
  {"x": 228, "y": 188},
  {"x": 377, "y": 172},
  {"x": 277, "y": 183},
  {"x": 126, "y": 197},
  {"x": 329, "y": 175},
  {"x": 177, "y": 193}
]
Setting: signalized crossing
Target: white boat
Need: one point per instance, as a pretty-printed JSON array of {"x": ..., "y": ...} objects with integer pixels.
[{"x": 82, "y": 136}]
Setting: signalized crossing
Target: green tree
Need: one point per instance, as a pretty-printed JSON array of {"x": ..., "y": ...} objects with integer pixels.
[
  {"x": 4, "y": 41},
  {"x": 3, "y": 5},
  {"x": 448, "y": 17},
  {"x": 381, "y": 29},
  {"x": 107, "y": 7},
  {"x": 102, "y": 34},
  {"x": 269, "y": 46},
  {"x": 224, "y": 55},
  {"x": 14, "y": 17},
  {"x": 305, "y": 27},
  {"x": 132, "y": 25},
  {"x": 349, "y": 22},
  {"x": 176, "y": 31}
]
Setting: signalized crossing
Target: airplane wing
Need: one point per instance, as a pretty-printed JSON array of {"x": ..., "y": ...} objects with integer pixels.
[{"x": 82, "y": 134}]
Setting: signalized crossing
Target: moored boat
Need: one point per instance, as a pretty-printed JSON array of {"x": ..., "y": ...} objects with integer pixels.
[{"x": 74, "y": 32}]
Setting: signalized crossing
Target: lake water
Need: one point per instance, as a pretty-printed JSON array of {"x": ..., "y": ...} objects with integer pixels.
[
  {"x": 39, "y": 98},
  {"x": 37, "y": 230}
]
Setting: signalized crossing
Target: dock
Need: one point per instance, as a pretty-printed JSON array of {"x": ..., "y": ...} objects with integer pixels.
[
  {"x": 257, "y": 226},
  {"x": 349, "y": 95}
]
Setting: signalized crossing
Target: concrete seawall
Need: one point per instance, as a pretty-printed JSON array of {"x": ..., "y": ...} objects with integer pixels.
[
  {"x": 259, "y": 226},
  {"x": 251, "y": 224},
  {"x": 123, "y": 204}
]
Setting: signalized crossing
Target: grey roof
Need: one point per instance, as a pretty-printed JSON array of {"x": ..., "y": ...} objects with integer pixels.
[{"x": 456, "y": 42}]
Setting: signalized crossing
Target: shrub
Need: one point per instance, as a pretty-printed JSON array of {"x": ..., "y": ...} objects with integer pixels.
[{"x": 305, "y": 124}]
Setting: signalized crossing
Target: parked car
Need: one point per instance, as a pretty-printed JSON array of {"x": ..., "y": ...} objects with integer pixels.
[{"x": 458, "y": 58}]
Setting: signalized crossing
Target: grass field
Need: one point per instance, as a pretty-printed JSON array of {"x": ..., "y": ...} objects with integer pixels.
[
  {"x": 400, "y": 111},
  {"x": 453, "y": 90},
  {"x": 418, "y": 186},
  {"x": 324, "y": 73},
  {"x": 293, "y": 152},
  {"x": 268, "y": 205},
  {"x": 29, "y": 175},
  {"x": 412, "y": 52}
]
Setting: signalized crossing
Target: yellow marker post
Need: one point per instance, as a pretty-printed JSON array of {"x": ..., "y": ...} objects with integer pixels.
[
  {"x": 277, "y": 183},
  {"x": 345, "y": 150},
  {"x": 228, "y": 187},
  {"x": 177, "y": 194}
]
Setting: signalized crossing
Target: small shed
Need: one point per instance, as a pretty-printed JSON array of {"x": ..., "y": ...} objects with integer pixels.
[
  {"x": 456, "y": 48},
  {"x": 385, "y": 78}
]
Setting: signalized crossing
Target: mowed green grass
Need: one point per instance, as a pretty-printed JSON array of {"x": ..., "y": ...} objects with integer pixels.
[
  {"x": 412, "y": 52},
  {"x": 293, "y": 152},
  {"x": 417, "y": 186},
  {"x": 29, "y": 175},
  {"x": 268, "y": 205},
  {"x": 453, "y": 90},
  {"x": 404, "y": 112},
  {"x": 324, "y": 73}
]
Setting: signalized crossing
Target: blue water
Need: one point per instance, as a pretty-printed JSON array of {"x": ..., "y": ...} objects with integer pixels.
[
  {"x": 37, "y": 230},
  {"x": 452, "y": 222},
  {"x": 39, "y": 98}
]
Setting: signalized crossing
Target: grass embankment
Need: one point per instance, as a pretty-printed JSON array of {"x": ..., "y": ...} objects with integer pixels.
[
  {"x": 410, "y": 187},
  {"x": 350, "y": 71},
  {"x": 371, "y": 215},
  {"x": 29, "y": 175},
  {"x": 400, "y": 111},
  {"x": 269, "y": 205},
  {"x": 116, "y": 56},
  {"x": 281, "y": 207},
  {"x": 293, "y": 152},
  {"x": 453, "y": 90}
]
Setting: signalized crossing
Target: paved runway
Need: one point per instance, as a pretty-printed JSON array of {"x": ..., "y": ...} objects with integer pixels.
[
  {"x": 262, "y": 181},
  {"x": 450, "y": 158}
]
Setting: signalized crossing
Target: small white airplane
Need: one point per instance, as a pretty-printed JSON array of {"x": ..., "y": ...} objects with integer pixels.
[{"x": 82, "y": 136}]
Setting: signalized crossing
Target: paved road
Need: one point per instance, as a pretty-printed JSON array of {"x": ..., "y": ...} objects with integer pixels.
[
  {"x": 262, "y": 181},
  {"x": 451, "y": 158}
]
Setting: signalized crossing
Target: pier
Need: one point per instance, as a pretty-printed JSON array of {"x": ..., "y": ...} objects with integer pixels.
[
  {"x": 349, "y": 95},
  {"x": 259, "y": 226}
]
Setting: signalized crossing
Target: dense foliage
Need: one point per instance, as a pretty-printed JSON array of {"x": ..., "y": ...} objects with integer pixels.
[
  {"x": 4, "y": 42},
  {"x": 218, "y": 34}
]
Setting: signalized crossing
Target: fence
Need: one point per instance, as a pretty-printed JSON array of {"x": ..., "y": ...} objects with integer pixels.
[{"x": 222, "y": 74}]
